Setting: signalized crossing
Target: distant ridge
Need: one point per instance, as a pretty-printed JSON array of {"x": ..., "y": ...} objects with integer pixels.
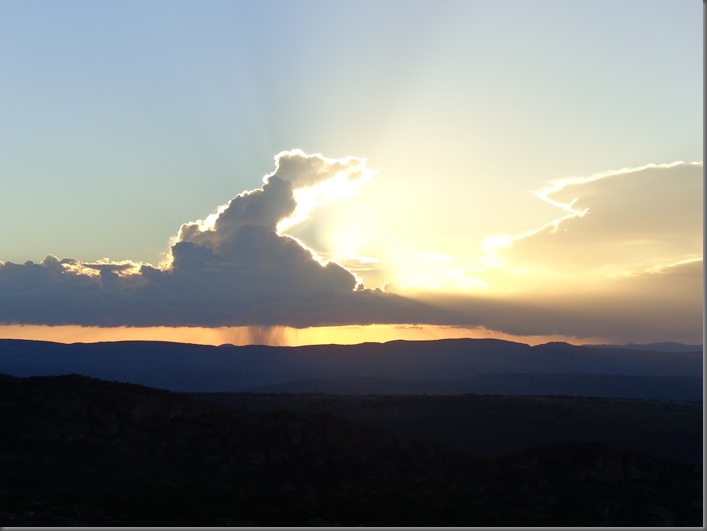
[
  {"x": 201, "y": 368},
  {"x": 668, "y": 346}
]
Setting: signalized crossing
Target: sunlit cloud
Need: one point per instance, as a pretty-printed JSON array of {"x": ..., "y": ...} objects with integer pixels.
[
  {"x": 288, "y": 196},
  {"x": 234, "y": 267},
  {"x": 623, "y": 262},
  {"x": 614, "y": 222},
  {"x": 491, "y": 246},
  {"x": 662, "y": 269},
  {"x": 623, "y": 259},
  {"x": 558, "y": 185},
  {"x": 341, "y": 180}
]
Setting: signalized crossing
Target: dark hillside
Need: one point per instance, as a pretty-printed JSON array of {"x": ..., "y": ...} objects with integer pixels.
[
  {"x": 490, "y": 426},
  {"x": 673, "y": 388},
  {"x": 83, "y": 452}
]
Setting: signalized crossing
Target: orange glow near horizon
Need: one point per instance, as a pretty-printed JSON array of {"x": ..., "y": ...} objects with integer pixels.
[{"x": 273, "y": 335}]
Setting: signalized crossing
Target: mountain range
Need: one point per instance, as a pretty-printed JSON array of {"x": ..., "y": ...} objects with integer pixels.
[{"x": 453, "y": 366}]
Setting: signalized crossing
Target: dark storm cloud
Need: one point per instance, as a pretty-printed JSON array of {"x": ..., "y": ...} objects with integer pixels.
[{"x": 233, "y": 268}]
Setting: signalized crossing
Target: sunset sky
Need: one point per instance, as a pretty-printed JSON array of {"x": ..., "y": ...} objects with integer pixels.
[{"x": 315, "y": 171}]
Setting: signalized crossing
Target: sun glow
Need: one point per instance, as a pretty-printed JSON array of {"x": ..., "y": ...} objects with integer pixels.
[
  {"x": 342, "y": 185},
  {"x": 491, "y": 246},
  {"x": 424, "y": 271},
  {"x": 346, "y": 243}
]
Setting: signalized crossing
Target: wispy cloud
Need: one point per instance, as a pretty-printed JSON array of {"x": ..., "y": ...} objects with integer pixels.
[{"x": 613, "y": 223}]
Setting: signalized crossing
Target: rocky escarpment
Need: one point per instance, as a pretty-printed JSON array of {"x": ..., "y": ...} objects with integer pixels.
[{"x": 80, "y": 451}]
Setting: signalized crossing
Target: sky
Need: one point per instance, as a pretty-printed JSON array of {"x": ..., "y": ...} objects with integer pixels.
[{"x": 314, "y": 171}]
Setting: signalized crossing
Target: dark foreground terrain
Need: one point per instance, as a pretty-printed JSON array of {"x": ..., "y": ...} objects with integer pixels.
[
  {"x": 492, "y": 425},
  {"x": 77, "y": 451}
]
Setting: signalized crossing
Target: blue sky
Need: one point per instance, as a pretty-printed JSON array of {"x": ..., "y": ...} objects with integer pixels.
[{"x": 119, "y": 121}]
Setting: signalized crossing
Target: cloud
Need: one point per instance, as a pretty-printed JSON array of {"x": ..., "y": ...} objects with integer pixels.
[
  {"x": 613, "y": 223},
  {"x": 235, "y": 267},
  {"x": 298, "y": 185},
  {"x": 623, "y": 261},
  {"x": 661, "y": 304}
]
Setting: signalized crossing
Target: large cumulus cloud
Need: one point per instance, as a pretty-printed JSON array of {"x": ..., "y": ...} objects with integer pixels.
[{"x": 235, "y": 267}]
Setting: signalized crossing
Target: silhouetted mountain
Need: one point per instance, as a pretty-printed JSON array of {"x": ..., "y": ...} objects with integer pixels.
[
  {"x": 199, "y": 368},
  {"x": 77, "y": 451},
  {"x": 668, "y": 346}
]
